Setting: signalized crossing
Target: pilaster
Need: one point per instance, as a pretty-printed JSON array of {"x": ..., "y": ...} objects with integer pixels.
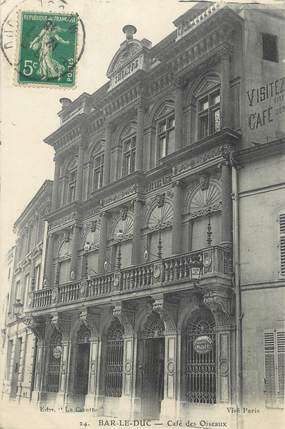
[
  {"x": 107, "y": 154},
  {"x": 177, "y": 218},
  {"x": 178, "y": 113},
  {"x": 103, "y": 242},
  {"x": 140, "y": 137},
  {"x": 74, "y": 251},
  {"x": 225, "y": 89},
  {"x": 54, "y": 198},
  {"x": 137, "y": 241}
]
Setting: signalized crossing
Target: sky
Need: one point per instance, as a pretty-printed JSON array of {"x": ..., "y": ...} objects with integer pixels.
[{"x": 30, "y": 114}]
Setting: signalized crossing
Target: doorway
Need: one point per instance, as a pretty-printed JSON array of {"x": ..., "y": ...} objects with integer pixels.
[
  {"x": 82, "y": 369},
  {"x": 152, "y": 366},
  {"x": 153, "y": 377}
]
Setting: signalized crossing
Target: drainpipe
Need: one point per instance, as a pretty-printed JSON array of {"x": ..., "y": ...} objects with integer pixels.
[{"x": 238, "y": 312}]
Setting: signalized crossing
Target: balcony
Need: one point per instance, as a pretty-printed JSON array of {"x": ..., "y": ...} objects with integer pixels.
[{"x": 169, "y": 274}]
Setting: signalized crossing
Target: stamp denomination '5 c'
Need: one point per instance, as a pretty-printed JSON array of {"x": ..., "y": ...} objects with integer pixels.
[{"x": 47, "y": 49}]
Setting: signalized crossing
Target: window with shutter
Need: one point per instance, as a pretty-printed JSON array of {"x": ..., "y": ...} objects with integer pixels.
[
  {"x": 274, "y": 356},
  {"x": 282, "y": 243}
]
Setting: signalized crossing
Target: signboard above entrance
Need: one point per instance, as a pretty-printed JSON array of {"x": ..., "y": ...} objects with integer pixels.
[{"x": 203, "y": 344}]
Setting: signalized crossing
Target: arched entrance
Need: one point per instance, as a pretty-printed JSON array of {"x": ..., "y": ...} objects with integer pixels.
[
  {"x": 152, "y": 366},
  {"x": 114, "y": 360},
  {"x": 54, "y": 359},
  {"x": 82, "y": 362},
  {"x": 198, "y": 375}
]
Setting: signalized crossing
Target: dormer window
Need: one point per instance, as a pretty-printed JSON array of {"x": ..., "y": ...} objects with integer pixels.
[
  {"x": 165, "y": 136},
  {"x": 209, "y": 114},
  {"x": 129, "y": 155}
]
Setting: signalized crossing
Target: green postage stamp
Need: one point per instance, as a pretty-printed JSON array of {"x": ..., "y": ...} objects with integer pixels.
[{"x": 47, "y": 49}]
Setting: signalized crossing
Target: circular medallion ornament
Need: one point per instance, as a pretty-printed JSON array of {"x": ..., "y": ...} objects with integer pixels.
[
  {"x": 207, "y": 261},
  {"x": 128, "y": 367},
  {"x": 203, "y": 344},
  {"x": 170, "y": 367},
  {"x": 57, "y": 351}
]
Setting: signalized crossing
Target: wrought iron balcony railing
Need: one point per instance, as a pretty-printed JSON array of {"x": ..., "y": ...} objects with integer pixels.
[{"x": 173, "y": 270}]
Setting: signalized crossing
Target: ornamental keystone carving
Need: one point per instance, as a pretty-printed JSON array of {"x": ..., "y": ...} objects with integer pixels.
[
  {"x": 204, "y": 181},
  {"x": 89, "y": 320},
  {"x": 36, "y": 326},
  {"x": 126, "y": 316},
  {"x": 166, "y": 311},
  {"x": 60, "y": 323},
  {"x": 221, "y": 305}
]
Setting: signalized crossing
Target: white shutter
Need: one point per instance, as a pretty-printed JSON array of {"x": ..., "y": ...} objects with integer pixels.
[
  {"x": 274, "y": 358},
  {"x": 282, "y": 243}
]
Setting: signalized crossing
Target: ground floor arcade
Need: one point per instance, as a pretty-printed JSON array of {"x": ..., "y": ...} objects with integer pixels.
[{"x": 155, "y": 356}]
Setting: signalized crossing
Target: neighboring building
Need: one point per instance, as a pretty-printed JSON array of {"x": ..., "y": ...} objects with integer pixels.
[
  {"x": 25, "y": 274},
  {"x": 137, "y": 309},
  {"x": 261, "y": 202},
  {"x": 7, "y": 277}
]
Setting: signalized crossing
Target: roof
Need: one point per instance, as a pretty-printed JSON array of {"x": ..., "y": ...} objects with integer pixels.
[{"x": 45, "y": 188}]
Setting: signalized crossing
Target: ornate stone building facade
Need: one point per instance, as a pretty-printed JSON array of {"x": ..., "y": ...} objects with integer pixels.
[
  {"x": 137, "y": 307},
  {"x": 25, "y": 274}
]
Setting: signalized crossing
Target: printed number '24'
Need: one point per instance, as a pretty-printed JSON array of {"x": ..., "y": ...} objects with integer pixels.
[{"x": 29, "y": 67}]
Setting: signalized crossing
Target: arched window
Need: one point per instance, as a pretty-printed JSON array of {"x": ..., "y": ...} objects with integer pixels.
[
  {"x": 128, "y": 140},
  {"x": 209, "y": 113},
  {"x": 114, "y": 360},
  {"x": 207, "y": 99},
  {"x": 165, "y": 129},
  {"x": 71, "y": 175},
  {"x": 55, "y": 352},
  {"x": 199, "y": 358},
  {"x": 97, "y": 161}
]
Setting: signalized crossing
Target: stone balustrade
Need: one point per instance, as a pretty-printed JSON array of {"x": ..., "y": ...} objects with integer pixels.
[{"x": 214, "y": 260}]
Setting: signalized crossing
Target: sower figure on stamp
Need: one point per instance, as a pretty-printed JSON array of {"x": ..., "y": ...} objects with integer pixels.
[{"x": 45, "y": 43}]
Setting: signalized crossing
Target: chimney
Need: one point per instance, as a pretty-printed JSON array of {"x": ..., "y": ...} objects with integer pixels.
[
  {"x": 65, "y": 102},
  {"x": 129, "y": 31}
]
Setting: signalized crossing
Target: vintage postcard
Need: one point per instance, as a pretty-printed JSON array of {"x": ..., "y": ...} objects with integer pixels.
[{"x": 143, "y": 214}]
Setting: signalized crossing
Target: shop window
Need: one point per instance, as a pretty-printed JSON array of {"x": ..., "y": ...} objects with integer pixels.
[
  {"x": 274, "y": 365},
  {"x": 209, "y": 114},
  {"x": 165, "y": 136},
  {"x": 129, "y": 155},
  {"x": 269, "y": 47}
]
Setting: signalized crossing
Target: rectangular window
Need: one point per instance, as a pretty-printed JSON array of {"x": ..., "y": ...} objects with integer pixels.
[
  {"x": 98, "y": 172},
  {"x": 269, "y": 47},
  {"x": 72, "y": 186},
  {"x": 129, "y": 155},
  {"x": 282, "y": 243},
  {"x": 274, "y": 359},
  {"x": 37, "y": 276},
  {"x": 209, "y": 115},
  {"x": 166, "y": 136}
]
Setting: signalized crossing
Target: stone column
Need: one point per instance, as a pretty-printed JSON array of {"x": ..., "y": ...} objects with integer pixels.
[
  {"x": 79, "y": 176},
  {"x": 140, "y": 137},
  {"x": 178, "y": 113},
  {"x": 126, "y": 316},
  {"x": 62, "y": 394},
  {"x": 54, "y": 198},
  {"x": 137, "y": 241},
  {"x": 168, "y": 406},
  {"x": 107, "y": 154},
  {"x": 177, "y": 219},
  {"x": 92, "y": 398},
  {"x": 226, "y": 203},
  {"x": 225, "y": 90},
  {"x": 103, "y": 242},
  {"x": 74, "y": 251},
  {"x": 49, "y": 261}
]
